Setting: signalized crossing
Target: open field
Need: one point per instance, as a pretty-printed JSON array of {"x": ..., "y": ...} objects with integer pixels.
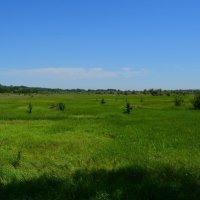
[{"x": 95, "y": 151}]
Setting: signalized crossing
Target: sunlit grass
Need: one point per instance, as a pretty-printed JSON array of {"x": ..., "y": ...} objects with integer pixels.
[{"x": 155, "y": 141}]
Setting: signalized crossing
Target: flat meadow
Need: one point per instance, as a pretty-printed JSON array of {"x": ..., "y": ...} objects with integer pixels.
[{"x": 93, "y": 150}]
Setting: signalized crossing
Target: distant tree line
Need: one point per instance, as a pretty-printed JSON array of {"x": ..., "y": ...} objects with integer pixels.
[
  {"x": 159, "y": 92},
  {"x": 39, "y": 90},
  {"x": 26, "y": 90}
]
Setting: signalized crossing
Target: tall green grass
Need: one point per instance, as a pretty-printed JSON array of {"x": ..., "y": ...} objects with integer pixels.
[{"x": 94, "y": 151}]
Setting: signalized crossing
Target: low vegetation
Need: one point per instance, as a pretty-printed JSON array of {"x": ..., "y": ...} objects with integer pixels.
[
  {"x": 103, "y": 101},
  {"x": 128, "y": 107},
  {"x": 30, "y": 107},
  {"x": 90, "y": 151},
  {"x": 196, "y": 102},
  {"x": 58, "y": 106},
  {"x": 178, "y": 100}
]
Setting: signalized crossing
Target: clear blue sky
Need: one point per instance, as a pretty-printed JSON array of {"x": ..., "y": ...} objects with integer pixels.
[{"x": 125, "y": 44}]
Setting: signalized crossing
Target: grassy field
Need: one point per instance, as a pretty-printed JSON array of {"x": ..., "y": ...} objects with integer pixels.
[{"x": 95, "y": 151}]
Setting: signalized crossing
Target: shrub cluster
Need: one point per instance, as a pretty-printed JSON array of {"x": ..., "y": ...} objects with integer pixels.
[{"x": 178, "y": 101}]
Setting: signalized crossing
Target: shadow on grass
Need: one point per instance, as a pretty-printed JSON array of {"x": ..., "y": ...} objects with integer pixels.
[{"x": 126, "y": 183}]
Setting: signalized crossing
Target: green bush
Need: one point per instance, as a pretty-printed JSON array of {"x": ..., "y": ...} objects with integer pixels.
[
  {"x": 103, "y": 101},
  {"x": 196, "y": 102},
  {"x": 61, "y": 106},
  {"x": 128, "y": 107},
  {"x": 178, "y": 100}
]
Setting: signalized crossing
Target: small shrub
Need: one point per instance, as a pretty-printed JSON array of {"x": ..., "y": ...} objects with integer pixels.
[
  {"x": 59, "y": 106},
  {"x": 103, "y": 101},
  {"x": 196, "y": 102},
  {"x": 128, "y": 107},
  {"x": 178, "y": 100},
  {"x": 30, "y": 108}
]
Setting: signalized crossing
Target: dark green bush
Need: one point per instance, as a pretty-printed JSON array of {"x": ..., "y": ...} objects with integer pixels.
[
  {"x": 61, "y": 106},
  {"x": 196, "y": 102},
  {"x": 128, "y": 107},
  {"x": 103, "y": 101}
]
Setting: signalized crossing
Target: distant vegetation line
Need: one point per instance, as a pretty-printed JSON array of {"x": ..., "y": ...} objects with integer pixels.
[{"x": 154, "y": 92}]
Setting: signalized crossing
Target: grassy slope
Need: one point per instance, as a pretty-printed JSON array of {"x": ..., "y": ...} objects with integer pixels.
[{"x": 94, "y": 151}]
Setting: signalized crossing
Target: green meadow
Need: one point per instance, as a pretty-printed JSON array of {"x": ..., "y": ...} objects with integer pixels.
[{"x": 95, "y": 151}]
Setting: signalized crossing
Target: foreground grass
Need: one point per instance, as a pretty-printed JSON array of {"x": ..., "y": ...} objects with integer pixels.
[{"x": 94, "y": 151}]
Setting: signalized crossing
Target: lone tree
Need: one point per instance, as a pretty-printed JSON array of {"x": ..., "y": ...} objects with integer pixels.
[{"x": 128, "y": 107}]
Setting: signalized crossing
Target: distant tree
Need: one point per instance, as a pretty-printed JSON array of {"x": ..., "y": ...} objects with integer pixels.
[
  {"x": 196, "y": 102},
  {"x": 155, "y": 92},
  {"x": 145, "y": 91}
]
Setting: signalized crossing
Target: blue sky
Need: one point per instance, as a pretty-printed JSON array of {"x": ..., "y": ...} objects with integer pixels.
[{"x": 122, "y": 44}]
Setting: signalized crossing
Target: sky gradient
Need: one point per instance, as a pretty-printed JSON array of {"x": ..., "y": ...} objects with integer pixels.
[{"x": 90, "y": 44}]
